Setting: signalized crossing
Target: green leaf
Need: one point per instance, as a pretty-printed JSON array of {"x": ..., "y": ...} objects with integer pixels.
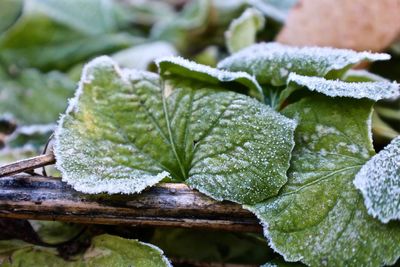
[
  {"x": 9, "y": 13},
  {"x": 127, "y": 129},
  {"x": 35, "y": 98},
  {"x": 243, "y": 30},
  {"x": 272, "y": 63},
  {"x": 57, "y": 34},
  {"x": 379, "y": 182},
  {"x": 319, "y": 216},
  {"x": 335, "y": 88},
  {"x": 184, "y": 29},
  {"x": 106, "y": 250},
  {"x": 54, "y": 232},
  {"x": 181, "y": 67},
  {"x": 275, "y": 9}
]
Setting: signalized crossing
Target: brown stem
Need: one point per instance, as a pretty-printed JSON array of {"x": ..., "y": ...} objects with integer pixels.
[
  {"x": 27, "y": 164},
  {"x": 47, "y": 198}
]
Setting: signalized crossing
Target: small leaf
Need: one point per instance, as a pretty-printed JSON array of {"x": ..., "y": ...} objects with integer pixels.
[
  {"x": 272, "y": 63},
  {"x": 182, "y": 67},
  {"x": 275, "y": 9},
  {"x": 242, "y": 31},
  {"x": 334, "y": 88},
  {"x": 54, "y": 232},
  {"x": 379, "y": 182},
  {"x": 319, "y": 216},
  {"x": 184, "y": 30},
  {"x": 126, "y": 130}
]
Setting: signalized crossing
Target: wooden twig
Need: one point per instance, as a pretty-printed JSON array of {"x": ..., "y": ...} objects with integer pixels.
[
  {"x": 46, "y": 198},
  {"x": 27, "y": 164}
]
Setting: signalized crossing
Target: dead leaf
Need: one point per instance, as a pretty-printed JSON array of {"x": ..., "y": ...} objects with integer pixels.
[{"x": 357, "y": 24}]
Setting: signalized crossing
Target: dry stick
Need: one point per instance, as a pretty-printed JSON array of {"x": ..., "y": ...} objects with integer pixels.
[
  {"x": 172, "y": 204},
  {"x": 27, "y": 164}
]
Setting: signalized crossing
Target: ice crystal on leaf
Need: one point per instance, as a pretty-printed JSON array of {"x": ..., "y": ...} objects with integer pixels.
[
  {"x": 371, "y": 90},
  {"x": 127, "y": 129},
  {"x": 319, "y": 217},
  {"x": 379, "y": 182},
  {"x": 271, "y": 63}
]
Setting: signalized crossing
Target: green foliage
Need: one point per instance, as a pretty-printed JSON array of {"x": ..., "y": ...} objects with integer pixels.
[
  {"x": 106, "y": 250},
  {"x": 224, "y": 144},
  {"x": 242, "y": 31},
  {"x": 319, "y": 217},
  {"x": 32, "y": 97},
  {"x": 57, "y": 34},
  {"x": 316, "y": 188}
]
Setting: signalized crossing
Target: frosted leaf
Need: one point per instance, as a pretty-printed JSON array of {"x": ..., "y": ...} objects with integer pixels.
[
  {"x": 275, "y": 9},
  {"x": 379, "y": 182},
  {"x": 371, "y": 90},
  {"x": 242, "y": 31},
  {"x": 141, "y": 56},
  {"x": 127, "y": 129},
  {"x": 271, "y": 63},
  {"x": 105, "y": 250},
  {"x": 183, "y": 67},
  {"x": 319, "y": 217}
]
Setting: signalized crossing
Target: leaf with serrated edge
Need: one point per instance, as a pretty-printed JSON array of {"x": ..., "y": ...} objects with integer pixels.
[
  {"x": 242, "y": 31},
  {"x": 319, "y": 216},
  {"x": 122, "y": 133},
  {"x": 271, "y": 63},
  {"x": 371, "y": 90},
  {"x": 379, "y": 182}
]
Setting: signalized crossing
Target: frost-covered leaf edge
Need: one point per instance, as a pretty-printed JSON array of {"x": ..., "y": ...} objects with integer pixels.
[
  {"x": 336, "y": 88},
  {"x": 372, "y": 171},
  {"x": 74, "y": 107},
  {"x": 219, "y": 75}
]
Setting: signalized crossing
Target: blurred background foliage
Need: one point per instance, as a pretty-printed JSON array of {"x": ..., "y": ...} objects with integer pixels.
[{"x": 45, "y": 43}]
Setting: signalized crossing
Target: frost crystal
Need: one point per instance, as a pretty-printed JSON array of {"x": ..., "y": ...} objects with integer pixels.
[
  {"x": 127, "y": 129},
  {"x": 371, "y": 90},
  {"x": 379, "y": 182},
  {"x": 267, "y": 60},
  {"x": 190, "y": 69}
]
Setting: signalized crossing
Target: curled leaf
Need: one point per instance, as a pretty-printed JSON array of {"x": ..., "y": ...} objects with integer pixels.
[
  {"x": 334, "y": 88},
  {"x": 272, "y": 63},
  {"x": 242, "y": 31}
]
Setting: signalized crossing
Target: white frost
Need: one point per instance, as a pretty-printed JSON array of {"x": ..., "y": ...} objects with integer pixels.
[
  {"x": 264, "y": 60},
  {"x": 379, "y": 182},
  {"x": 221, "y": 75},
  {"x": 371, "y": 90}
]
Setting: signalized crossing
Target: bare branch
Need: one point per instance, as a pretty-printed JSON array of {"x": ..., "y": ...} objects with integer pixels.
[{"x": 46, "y": 198}]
